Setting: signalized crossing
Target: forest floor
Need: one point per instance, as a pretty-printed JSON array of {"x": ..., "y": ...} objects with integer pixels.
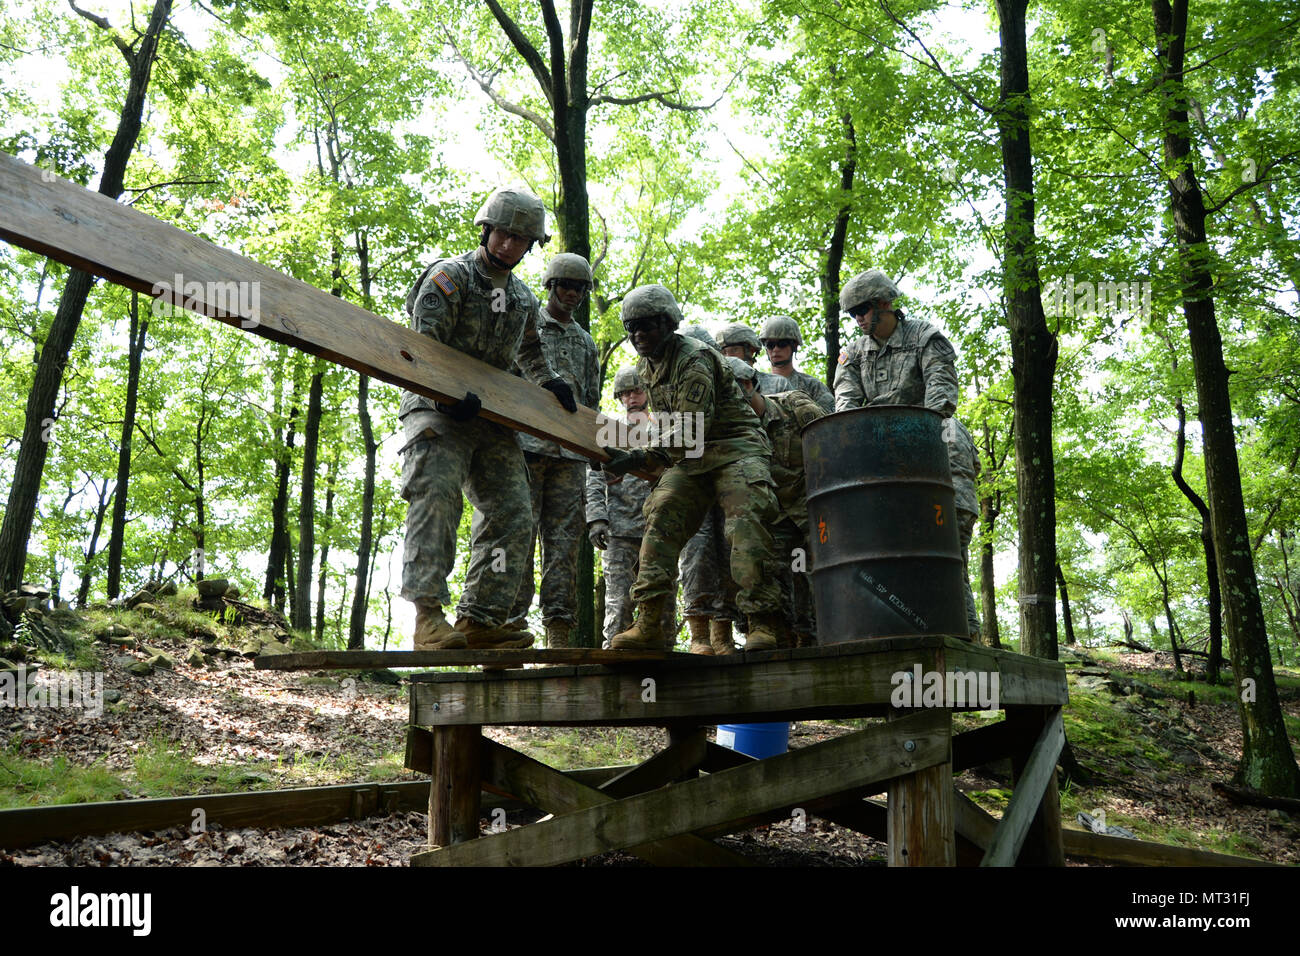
[{"x": 216, "y": 725}]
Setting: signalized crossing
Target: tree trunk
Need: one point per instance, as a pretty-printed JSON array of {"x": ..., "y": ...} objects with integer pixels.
[
  {"x": 1267, "y": 761},
  {"x": 39, "y": 420},
  {"x": 1215, "y": 662},
  {"x": 1065, "y": 606},
  {"x": 326, "y": 525},
  {"x": 988, "y": 585},
  {"x": 357, "y": 623},
  {"x": 117, "y": 530},
  {"x": 273, "y": 591},
  {"x": 307, "y": 503},
  {"x": 1033, "y": 348},
  {"x": 830, "y": 278},
  {"x": 83, "y": 593}
]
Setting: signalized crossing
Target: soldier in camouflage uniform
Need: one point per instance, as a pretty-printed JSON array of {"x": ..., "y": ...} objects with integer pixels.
[
  {"x": 556, "y": 475},
  {"x": 784, "y": 417},
  {"x": 782, "y": 338},
  {"x": 687, "y": 378},
  {"x": 738, "y": 340},
  {"x": 475, "y": 304},
  {"x": 965, "y": 465},
  {"x": 708, "y": 592},
  {"x": 899, "y": 361},
  {"x": 615, "y": 524}
]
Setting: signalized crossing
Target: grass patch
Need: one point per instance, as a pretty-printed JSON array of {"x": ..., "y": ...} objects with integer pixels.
[{"x": 597, "y": 747}]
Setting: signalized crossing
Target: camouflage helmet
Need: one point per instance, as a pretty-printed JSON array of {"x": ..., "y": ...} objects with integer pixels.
[
  {"x": 739, "y": 334},
  {"x": 517, "y": 210},
  {"x": 648, "y": 301},
  {"x": 742, "y": 370},
  {"x": 567, "y": 265},
  {"x": 867, "y": 287},
  {"x": 625, "y": 380},
  {"x": 701, "y": 334},
  {"x": 782, "y": 327}
]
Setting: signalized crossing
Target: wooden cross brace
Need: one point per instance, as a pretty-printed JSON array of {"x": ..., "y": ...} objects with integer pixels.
[{"x": 661, "y": 824}]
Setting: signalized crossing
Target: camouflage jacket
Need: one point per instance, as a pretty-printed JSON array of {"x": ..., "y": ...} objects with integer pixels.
[
  {"x": 691, "y": 379},
  {"x": 965, "y": 465},
  {"x": 814, "y": 388},
  {"x": 619, "y": 504},
  {"x": 785, "y": 416},
  {"x": 915, "y": 366},
  {"x": 453, "y": 303},
  {"x": 571, "y": 354}
]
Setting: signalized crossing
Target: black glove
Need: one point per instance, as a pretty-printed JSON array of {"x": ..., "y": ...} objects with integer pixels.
[
  {"x": 621, "y": 462},
  {"x": 463, "y": 410},
  {"x": 560, "y": 389}
]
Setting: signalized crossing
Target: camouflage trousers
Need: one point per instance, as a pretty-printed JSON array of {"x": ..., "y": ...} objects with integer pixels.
[
  {"x": 559, "y": 509},
  {"x": 675, "y": 508},
  {"x": 707, "y": 587},
  {"x": 482, "y": 460},
  {"x": 621, "y": 561},
  {"x": 966, "y": 526},
  {"x": 790, "y": 545}
]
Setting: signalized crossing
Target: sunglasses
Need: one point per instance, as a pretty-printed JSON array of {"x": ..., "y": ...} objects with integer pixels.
[
  {"x": 644, "y": 325},
  {"x": 860, "y": 310},
  {"x": 571, "y": 285},
  {"x": 779, "y": 343}
]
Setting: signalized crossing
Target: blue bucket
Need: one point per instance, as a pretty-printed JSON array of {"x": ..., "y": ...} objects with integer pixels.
[{"x": 756, "y": 740}]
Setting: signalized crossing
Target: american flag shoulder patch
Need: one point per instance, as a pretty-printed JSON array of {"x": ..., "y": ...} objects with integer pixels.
[
  {"x": 443, "y": 282},
  {"x": 844, "y": 356}
]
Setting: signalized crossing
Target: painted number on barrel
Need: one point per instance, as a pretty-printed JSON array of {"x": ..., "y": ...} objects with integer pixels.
[
  {"x": 938, "y": 514},
  {"x": 821, "y": 530}
]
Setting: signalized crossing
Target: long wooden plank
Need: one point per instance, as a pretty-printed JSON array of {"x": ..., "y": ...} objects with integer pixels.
[
  {"x": 1027, "y": 796},
  {"x": 1109, "y": 849},
  {"x": 508, "y": 772},
  {"x": 861, "y": 759},
  {"x": 373, "y": 660},
  {"x": 302, "y": 806},
  {"x": 81, "y": 228}
]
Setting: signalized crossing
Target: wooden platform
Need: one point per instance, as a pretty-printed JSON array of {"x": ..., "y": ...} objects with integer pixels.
[{"x": 669, "y": 809}]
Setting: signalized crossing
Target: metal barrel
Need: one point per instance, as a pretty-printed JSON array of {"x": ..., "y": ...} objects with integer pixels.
[{"x": 886, "y": 553}]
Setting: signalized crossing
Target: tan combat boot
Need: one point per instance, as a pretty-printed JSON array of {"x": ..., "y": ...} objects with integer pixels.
[
  {"x": 720, "y": 638},
  {"x": 763, "y": 631},
  {"x": 699, "y": 628},
  {"x": 433, "y": 633},
  {"x": 647, "y": 634},
  {"x": 485, "y": 637},
  {"x": 557, "y": 634}
]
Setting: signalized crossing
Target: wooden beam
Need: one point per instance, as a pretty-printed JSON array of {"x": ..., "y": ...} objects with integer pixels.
[
  {"x": 506, "y": 771},
  {"x": 1118, "y": 850},
  {"x": 920, "y": 807},
  {"x": 865, "y": 758},
  {"x": 298, "y": 807},
  {"x": 775, "y": 685},
  {"x": 374, "y": 660},
  {"x": 454, "y": 790},
  {"x": 1026, "y": 799},
  {"x": 663, "y": 768},
  {"x": 983, "y": 745},
  {"x": 83, "y": 229}
]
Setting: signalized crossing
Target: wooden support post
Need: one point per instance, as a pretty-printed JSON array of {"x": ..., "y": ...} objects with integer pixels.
[
  {"x": 1030, "y": 829},
  {"x": 920, "y": 818},
  {"x": 456, "y": 786}
]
